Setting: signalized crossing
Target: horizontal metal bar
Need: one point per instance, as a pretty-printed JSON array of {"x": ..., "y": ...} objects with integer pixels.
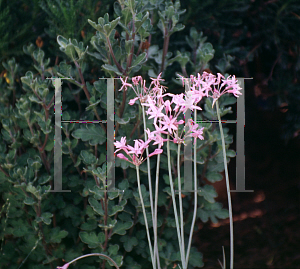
[
  {"x": 222, "y": 121},
  {"x": 59, "y": 78},
  {"x": 177, "y": 191},
  {"x": 85, "y": 121},
  {"x": 236, "y": 77}
]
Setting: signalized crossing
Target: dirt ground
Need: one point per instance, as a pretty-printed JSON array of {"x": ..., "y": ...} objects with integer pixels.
[{"x": 267, "y": 221}]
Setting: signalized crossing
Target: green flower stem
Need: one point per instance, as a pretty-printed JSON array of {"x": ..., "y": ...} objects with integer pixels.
[
  {"x": 154, "y": 220},
  {"x": 228, "y": 188},
  {"x": 95, "y": 254},
  {"x": 148, "y": 164},
  {"x": 155, "y": 209},
  {"x": 145, "y": 217},
  {"x": 180, "y": 201},
  {"x": 174, "y": 203},
  {"x": 195, "y": 197}
]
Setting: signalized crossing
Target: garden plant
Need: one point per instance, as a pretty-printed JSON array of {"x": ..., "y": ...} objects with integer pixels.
[{"x": 148, "y": 221}]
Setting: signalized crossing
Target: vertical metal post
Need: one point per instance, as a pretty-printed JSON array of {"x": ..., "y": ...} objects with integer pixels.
[
  {"x": 240, "y": 141},
  {"x": 188, "y": 174},
  {"x": 58, "y": 139},
  {"x": 110, "y": 157}
]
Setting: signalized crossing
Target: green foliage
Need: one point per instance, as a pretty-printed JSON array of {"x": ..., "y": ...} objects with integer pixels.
[
  {"x": 138, "y": 38},
  {"x": 69, "y": 18},
  {"x": 17, "y": 20},
  {"x": 56, "y": 220}
]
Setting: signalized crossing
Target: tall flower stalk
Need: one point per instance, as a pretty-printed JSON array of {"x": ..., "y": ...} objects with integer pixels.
[
  {"x": 89, "y": 255},
  {"x": 135, "y": 153},
  {"x": 195, "y": 198},
  {"x": 145, "y": 217},
  {"x": 228, "y": 189},
  {"x": 166, "y": 122}
]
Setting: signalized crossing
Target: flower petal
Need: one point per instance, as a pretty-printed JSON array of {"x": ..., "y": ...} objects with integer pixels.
[
  {"x": 121, "y": 156},
  {"x": 64, "y": 267}
]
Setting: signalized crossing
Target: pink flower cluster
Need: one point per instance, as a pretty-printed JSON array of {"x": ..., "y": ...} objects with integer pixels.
[
  {"x": 161, "y": 111},
  {"x": 135, "y": 152},
  {"x": 210, "y": 83}
]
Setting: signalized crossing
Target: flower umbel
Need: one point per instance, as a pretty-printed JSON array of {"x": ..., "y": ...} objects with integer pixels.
[{"x": 136, "y": 152}]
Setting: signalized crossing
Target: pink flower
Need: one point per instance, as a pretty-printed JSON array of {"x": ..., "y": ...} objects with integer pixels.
[
  {"x": 194, "y": 131},
  {"x": 198, "y": 134},
  {"x": 189, "y": 103},
  {"x": 215, "y": 96},
  {"x": 136, "y": 80},
  {"x": 152, "y": 97},
  {"x": 155, "y": 81},
  {"x": 132, "y": 101},
  {"x": 121, "y": 156},
  {"x": 150, "y": 103},
  {"x": 64, "y": 267},
  {"x": 160, "y": 130},
  {"x": 155, "y": 113},
  {"x": 177, "y": 139},
  {"x": 139, "y": 145},
  {"x": 150, "y": 135},
  {"x": 179, "y": 122},
  {"x": 169, "y": 123},
  {"x": 167, "y": 105},
  {"x": 178, "y": 100},
  {"x": 232, "y": 83},
  {"x": 155, "y": 136},
  {"x": 155, "y": 152},
  {"x": 135, "y": 152},
  {"x": 208, "y": 82},
  {"x": 219, "y": 78},
  {"x": 121, "y": 145},
  {"x": 125, "y": 84},
  {"x": 159, "y": 140},
  {"x": 182, "y": 79},
  {"x": 209, "y": 78}
]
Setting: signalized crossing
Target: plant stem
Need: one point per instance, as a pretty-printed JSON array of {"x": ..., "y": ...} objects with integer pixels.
[
  {"x": 154, "y": 220},
  {"x": 174, "y": 202},
  {"x": 195, "y": 196},
  {"x": 155, "y": 206},
  {"x": 228, "y": 188},
  {"x": 145, "y": 216},
  {"x": 82, "y": 81},
  {"x": 105, "y": 223},
  {"x": 3, "y": 171},
  {"x": 113, "y": 56},
  {"x": 121, "y": 112},
  {"x": 148, "y": 165},
  {"x": 165, "y": 49},
  {"x": 87, "y": 93},
  {"x": 94, "y": 254},
  {"x": 129, "y": 59},
  {"x": 180, "y": 200},
  {"x": 155, "y": 209},
  {"x": 148, "y": 161}
]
